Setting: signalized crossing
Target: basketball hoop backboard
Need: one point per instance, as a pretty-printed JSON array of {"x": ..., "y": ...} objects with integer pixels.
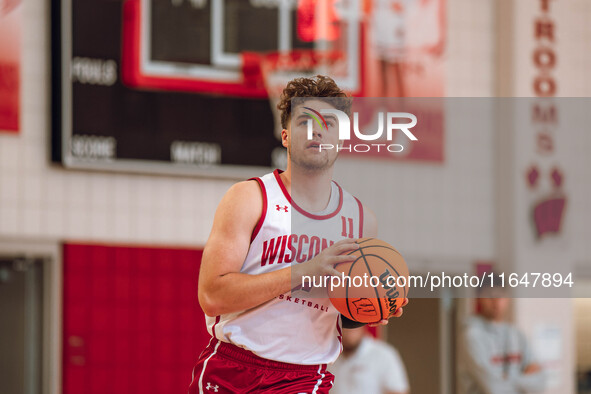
[{"x": 198, "y": 45}]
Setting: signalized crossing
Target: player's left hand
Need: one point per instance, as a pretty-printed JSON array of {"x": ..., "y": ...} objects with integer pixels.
[{"x": 398, "y": 313}]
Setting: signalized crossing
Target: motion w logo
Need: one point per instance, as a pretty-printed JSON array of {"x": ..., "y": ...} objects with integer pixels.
[{"x": 365, "y": 307}]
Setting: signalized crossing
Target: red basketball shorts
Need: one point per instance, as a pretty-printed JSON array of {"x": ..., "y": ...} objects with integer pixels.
[{"x": 225, "y": 368}]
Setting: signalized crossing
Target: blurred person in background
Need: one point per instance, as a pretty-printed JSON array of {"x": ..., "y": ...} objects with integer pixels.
[
  {"x": 368, "y": 365},
  {"x": 388, "y": 30},
  {"x": 494, "y": 356}
]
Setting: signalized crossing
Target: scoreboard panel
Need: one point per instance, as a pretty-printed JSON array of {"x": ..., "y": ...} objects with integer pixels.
[{"x": 101, "y": 120}]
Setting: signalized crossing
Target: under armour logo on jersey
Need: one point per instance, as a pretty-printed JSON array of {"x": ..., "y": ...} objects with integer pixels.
[
  {"x": 212, "y": 387},
  {"x": 278, "y": 208}
]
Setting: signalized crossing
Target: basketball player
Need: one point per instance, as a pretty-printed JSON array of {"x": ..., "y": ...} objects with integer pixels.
[{"x": 267, "y": 234}]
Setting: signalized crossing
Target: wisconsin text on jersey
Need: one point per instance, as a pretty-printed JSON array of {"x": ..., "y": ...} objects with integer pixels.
[{"x": 274, "y": 249}]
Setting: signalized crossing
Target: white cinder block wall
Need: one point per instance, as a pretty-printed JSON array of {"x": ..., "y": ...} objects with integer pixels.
[{"x": 573, "y": 74}]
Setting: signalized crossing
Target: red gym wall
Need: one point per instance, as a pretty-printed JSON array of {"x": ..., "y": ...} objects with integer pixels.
[{"x": 132, "y": 321}]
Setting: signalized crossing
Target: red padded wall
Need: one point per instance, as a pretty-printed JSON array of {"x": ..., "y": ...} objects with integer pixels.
[{"x": 132, "y": 321}]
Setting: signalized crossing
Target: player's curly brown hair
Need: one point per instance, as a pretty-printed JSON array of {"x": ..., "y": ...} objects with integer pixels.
[{"x": 318, "y": 86}]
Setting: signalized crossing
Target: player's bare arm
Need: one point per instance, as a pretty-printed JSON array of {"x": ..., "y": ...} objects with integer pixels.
[{"x": 222, "y": 287}]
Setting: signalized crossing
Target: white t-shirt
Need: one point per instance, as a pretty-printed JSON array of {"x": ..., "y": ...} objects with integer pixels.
[
  {"x": 492, "y": 357},
  {"x": 375, "y": 367}
]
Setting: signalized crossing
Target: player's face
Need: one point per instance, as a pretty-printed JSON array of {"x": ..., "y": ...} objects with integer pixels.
[{"x": 312, "y": 154}]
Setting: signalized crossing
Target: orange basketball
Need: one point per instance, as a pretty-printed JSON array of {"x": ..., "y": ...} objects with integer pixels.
[{"x": 374, "y": 291}]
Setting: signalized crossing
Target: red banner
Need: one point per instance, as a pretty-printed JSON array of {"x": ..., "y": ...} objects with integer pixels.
[{"x": 10, "y": 31}]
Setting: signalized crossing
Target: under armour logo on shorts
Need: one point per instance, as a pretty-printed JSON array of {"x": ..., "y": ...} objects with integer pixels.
[
  {"x": 285, "y": 207},
  {"x": 212, "y": 387}
]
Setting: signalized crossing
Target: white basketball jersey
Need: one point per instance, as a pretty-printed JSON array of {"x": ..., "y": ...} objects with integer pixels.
[{"x": 287, "y": 328}]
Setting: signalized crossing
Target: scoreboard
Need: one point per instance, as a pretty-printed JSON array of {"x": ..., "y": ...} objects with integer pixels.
[
  {"x": 161, "y": 85},
  {"x": 103, "y": 118}
]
